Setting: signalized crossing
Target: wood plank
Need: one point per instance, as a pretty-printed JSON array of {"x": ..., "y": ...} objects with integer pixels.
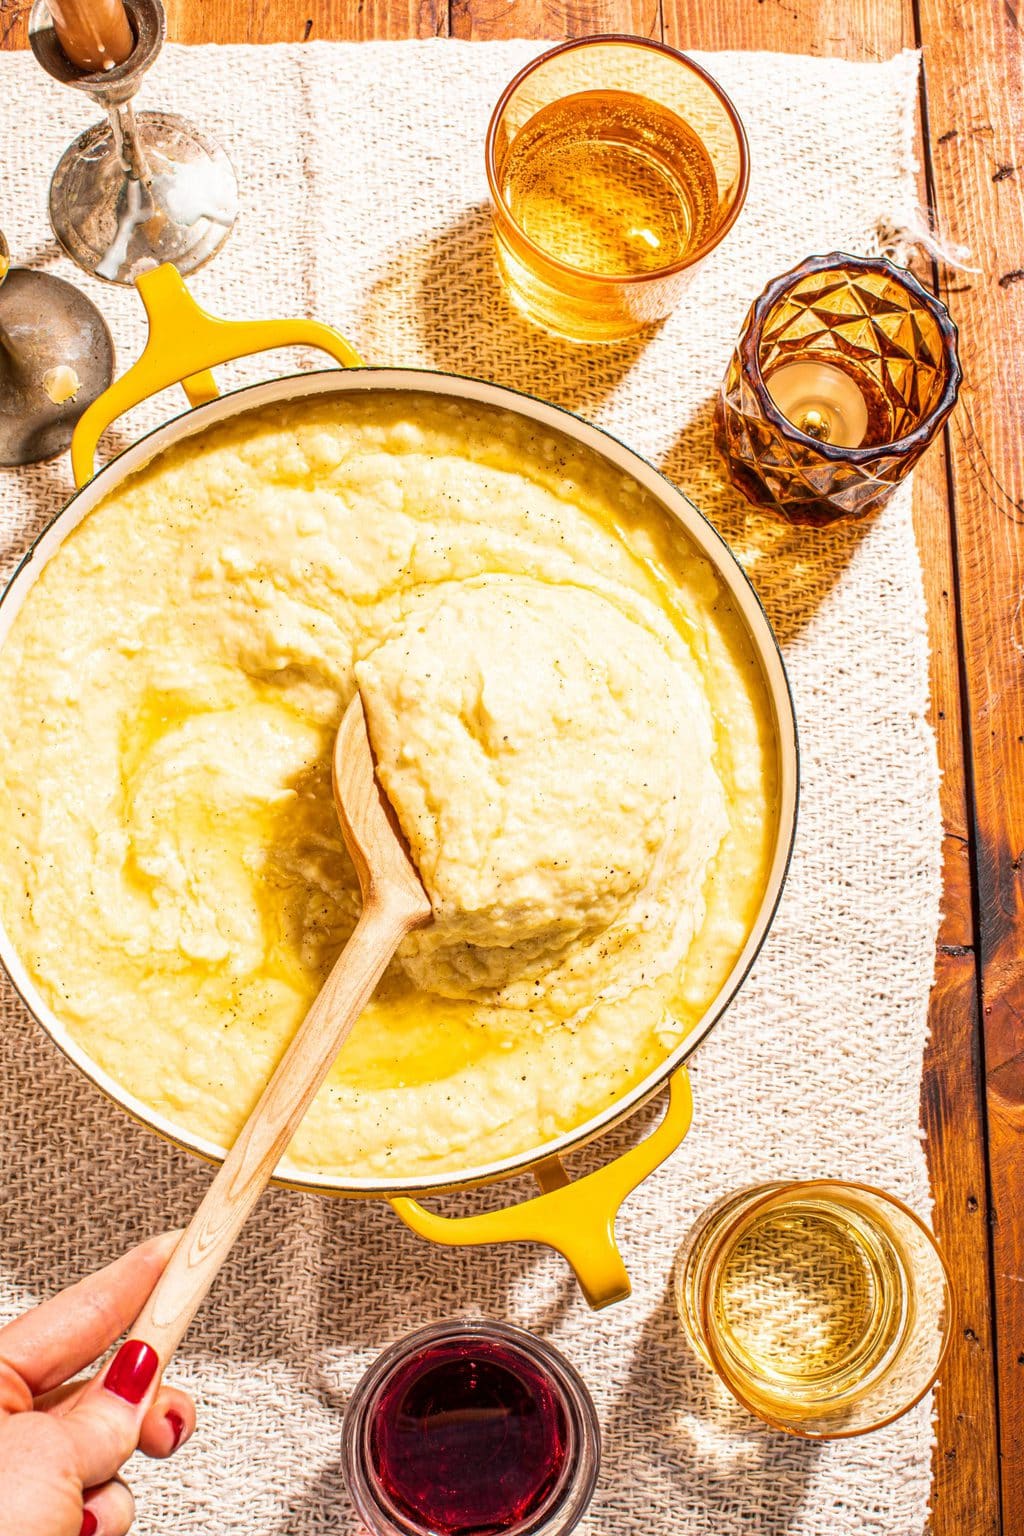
[
  {"x": 965, "y": 1464},
  {"x": 273, "y": 21},
  {"x": 297, "y": 21},
  {"x": 952, "y": 1102},
  {"x": 857, "y": 29},
  {"x": 978, "y": 148},
  {"x": 488, "y": 19},
  {"x": 14, "y": 23}
]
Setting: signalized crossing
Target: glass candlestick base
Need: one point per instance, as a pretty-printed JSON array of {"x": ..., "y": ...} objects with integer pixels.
[
  {"x": 123, "y": 203},
  {"x": 56, "y": 357},
  {"x": 137, "y": 190}
]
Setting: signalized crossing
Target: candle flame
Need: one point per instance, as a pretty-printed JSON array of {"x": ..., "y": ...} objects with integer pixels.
[{"x": 815, "y": 424}]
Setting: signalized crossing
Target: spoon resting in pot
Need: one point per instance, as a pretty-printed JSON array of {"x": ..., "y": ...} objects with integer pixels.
[{"x": 394, "y": 903}]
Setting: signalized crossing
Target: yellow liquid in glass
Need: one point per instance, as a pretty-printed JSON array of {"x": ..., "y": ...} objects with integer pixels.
[
  {"x": 611, "y": 183},
  {"x": 811, "y": 1300}
]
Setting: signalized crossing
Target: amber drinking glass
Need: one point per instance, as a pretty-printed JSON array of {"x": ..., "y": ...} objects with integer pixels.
[
  {"x": 845, "y": 370},
  {"x": 824, "y": 1307},
  {"x": 615, "y": 165}
]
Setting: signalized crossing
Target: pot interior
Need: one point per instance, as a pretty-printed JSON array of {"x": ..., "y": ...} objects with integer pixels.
[{"x": 544, "y": 417}]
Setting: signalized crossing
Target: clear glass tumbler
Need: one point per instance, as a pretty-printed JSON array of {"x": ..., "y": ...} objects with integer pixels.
[
  {"x": 473, "y": 1427},
  {"x": 825, "y": 1307},
  {"x": 615, "y": 165}
]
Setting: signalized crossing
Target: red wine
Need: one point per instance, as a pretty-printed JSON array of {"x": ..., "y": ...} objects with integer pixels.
[{"x": 470, "y": 1437}]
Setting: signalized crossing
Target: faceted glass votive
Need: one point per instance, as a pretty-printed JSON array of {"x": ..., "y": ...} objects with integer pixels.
[
  {"x": 845, "y": 370},
  {"x": 615, "y": 165},
  {"x": 824, "y": 1307}
]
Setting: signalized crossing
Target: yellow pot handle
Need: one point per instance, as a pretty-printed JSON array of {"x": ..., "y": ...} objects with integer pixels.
[
  {"x": 576, "y": 1219},
  {"x": 184, "y": 343}
]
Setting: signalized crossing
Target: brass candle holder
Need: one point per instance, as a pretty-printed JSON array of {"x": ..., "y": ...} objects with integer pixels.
[
  {"x": 138, "y": 189},
  {"x": 844, "y": 372},
  {"x": 56, "y": 357}
]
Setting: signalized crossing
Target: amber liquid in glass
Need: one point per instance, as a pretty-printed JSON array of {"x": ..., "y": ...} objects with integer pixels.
[{"x": 611, "y": 184}]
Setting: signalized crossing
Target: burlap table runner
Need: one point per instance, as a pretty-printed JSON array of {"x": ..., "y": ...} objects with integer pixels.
[{"x": 364, "y": 204}]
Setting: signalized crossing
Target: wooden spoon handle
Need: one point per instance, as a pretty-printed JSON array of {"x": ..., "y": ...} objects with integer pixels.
[{"x": 246, "y": 1170}]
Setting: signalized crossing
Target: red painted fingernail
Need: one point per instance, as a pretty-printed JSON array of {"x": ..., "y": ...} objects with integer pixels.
[
  {"x": 177, "y": 1424},
  {"x": 90, "y": 1524},
  {"x": 130, "y": 1373}
]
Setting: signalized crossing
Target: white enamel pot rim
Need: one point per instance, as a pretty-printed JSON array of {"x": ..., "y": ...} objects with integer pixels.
[{"x": 293, "y": 388}]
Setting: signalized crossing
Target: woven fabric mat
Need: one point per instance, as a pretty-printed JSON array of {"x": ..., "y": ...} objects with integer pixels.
[{"x": 363, "y": 191}]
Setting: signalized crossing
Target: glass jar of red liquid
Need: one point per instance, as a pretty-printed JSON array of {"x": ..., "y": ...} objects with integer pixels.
[{"x": 471, "y": 1429}]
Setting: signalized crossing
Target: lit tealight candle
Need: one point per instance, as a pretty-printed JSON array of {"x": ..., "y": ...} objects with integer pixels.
[
  {"x": 95, "y": 34},
  {"x": 822, "y": 401}
]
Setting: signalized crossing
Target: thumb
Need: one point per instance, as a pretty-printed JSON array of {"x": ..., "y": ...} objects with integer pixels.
[{"x": 105, "y": 1422}]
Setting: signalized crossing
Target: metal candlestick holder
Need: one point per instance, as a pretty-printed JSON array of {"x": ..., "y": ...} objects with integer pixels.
[
  {"x": 136, "y": 190},
  {"x": 56, "y": 357}
]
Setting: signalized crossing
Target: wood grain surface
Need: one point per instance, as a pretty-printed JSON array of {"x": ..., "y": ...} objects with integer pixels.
[
  {"x": 969, "y": 516},
  {"x": 976, "y": 154}
]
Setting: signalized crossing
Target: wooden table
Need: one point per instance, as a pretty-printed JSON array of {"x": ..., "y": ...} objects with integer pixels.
[{"x": 969, "y": 514}]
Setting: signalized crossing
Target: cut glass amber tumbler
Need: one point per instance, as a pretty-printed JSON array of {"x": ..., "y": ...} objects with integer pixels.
[{"x": 870, "y": 321}]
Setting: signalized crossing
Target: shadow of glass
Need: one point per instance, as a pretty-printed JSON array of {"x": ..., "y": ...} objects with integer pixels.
[
  {"x": 793, "y": 569},
  {"x": 416, "y": 314},
  {"x": 675, "y": 1425}
]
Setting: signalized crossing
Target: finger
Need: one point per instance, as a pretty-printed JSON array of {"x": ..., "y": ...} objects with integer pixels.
[
  {"x": 112, "y": 1506},
  {"x": 104, "y": 1422},
  {"x": 40, "y": 1491},
  {"x": 169, "y": 1422},
  {"x": 68, "y": 1332},
  {"x": 15, "y": 1396},
  {"x": 60, "y": 1399}
]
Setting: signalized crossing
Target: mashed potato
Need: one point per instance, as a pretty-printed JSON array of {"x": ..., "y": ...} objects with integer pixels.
[
  {"x": 550, "y": 762},
  {"x": 568, "y": 718}
]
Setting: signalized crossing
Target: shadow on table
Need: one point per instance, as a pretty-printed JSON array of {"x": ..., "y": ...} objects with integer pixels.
[
  {"x": 793, "y": 569},
  {"x": 40, "y": 256},
  {"x": 82, "y": 1182},
  {"x": 443, "y": 300},
  {"x": 443, "y": 304},
  {"x": 673, "y": 1428},
  {"x": 47, "y": 487},
  {"x": 674, "y": 1425}
]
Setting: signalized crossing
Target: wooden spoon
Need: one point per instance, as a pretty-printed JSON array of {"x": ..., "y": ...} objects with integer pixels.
[{"x": 394, "y": 903}]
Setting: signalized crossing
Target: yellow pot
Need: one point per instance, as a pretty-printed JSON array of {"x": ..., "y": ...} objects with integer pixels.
[{"x": 577, "y": 1218}]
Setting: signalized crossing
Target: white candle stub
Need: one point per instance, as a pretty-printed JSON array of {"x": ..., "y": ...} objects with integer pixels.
[{"x": 822, "y": 401}]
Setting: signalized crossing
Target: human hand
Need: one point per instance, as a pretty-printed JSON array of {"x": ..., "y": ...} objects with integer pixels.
[{"x": 62, "y": 1442}]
